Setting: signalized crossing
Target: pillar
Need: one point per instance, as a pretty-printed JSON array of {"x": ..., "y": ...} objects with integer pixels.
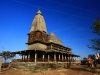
[
  {"x": 43, "y": 57},
  {"x": 77, "y": 58},
  {"x": 18, "y": 58},
  {"x": 35, "y": 56},
  {"x": 28, "y": 56},
  {"x": 65, "y": 57},
  {"x": 62, "y": 57},
  {"x": 74, "y": 58},
  {"x": 54, "y": 56},
  {"x": 59, "y": 56},
  {"x": 69, "y": 57},
  {"x": 51, "y": 46},
  {"x": 48, "y": 57},
  {"x": 14, "y": 58},
  {"x": 22, "y": 57}
]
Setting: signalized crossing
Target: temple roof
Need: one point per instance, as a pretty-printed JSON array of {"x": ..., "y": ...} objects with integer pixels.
[
  {"x": 38, "y": 23},
  {"x": 53, "y": 38}
]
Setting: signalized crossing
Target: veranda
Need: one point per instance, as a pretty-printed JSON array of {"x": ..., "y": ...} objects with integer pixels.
[{"x": 44, "y": 56}]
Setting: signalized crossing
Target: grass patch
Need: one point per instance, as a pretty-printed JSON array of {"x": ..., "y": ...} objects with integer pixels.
[{"x": 33, "y": 71}]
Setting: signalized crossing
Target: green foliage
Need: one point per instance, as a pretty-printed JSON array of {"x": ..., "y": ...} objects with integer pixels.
[
  {"x": 96, "y": 26},
  {"x": 95, "y": 44},
  {"x": 96, "y": 29},
  {"x": 0, "y": 54},
  {"x": 92, "y": 56},
  {"x": 7, "y": 55}
]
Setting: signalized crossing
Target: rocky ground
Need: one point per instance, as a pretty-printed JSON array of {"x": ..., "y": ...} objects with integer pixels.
[{"x": 74, "y": 70}]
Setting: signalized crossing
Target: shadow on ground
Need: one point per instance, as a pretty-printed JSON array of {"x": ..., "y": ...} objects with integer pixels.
[
  {"x": 4, "y": 69},
  {"x": 85, "y": 68}
]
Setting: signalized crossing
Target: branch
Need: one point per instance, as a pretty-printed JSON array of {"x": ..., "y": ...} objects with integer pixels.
[{"x": 95, "y": 44}]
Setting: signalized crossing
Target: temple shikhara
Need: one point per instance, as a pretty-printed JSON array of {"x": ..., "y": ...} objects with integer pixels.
[{"x": 44, "y": 47}]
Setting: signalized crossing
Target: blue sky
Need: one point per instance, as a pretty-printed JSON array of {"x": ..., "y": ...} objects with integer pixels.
[{"x": 68, "y": 19}]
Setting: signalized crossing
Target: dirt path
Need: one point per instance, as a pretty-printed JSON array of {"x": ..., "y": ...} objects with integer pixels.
[{"x": 62, "y": 71}]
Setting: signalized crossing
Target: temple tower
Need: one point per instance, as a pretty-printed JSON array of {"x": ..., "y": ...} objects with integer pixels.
[
  {"x": 38, "y": 33},
  {"x": 38, "y": 23}
]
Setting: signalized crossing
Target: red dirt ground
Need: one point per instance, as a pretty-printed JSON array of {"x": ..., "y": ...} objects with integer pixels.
[{"x": 47, "y": 72}]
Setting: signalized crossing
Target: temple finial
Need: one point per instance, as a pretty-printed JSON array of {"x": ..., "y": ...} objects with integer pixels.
[
  {"x": 38, "y": 23},
  {"x": 39, "y": 12}
]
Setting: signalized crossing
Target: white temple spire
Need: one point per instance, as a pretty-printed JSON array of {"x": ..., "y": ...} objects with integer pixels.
[{"x": 38, "y": 23}]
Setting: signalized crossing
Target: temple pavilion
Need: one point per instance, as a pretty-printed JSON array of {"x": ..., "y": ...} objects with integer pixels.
[{"x": 43, "y": 47}]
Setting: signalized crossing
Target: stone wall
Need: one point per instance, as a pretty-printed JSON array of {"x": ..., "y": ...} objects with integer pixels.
[
  {"x": 37, "y": 46},
  {"x": 37, "y": 35},
  {"x": 36, "y": 66}
]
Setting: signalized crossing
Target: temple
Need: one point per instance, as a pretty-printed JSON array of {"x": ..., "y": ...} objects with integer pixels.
[{"x": 44, "y": 47}]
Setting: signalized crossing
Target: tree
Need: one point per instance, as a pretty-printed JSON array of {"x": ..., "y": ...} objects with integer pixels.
[
  {"x": 7, "y": 55},
  {"x": 96, "y": 26},
  {"x": 96, "y": 29},
  {"x": 92, "y": 56}
]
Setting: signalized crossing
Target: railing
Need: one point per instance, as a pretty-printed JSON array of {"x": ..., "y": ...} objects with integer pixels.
[{"x": 43, "y": 60}]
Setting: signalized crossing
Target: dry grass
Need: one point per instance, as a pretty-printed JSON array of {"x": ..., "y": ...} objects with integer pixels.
[{"x": 74, "y": 70}]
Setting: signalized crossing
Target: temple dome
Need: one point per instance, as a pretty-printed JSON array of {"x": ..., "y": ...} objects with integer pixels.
[
  {"x": 38, "y": 23},
  {"x": 53, "y": 38}
]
